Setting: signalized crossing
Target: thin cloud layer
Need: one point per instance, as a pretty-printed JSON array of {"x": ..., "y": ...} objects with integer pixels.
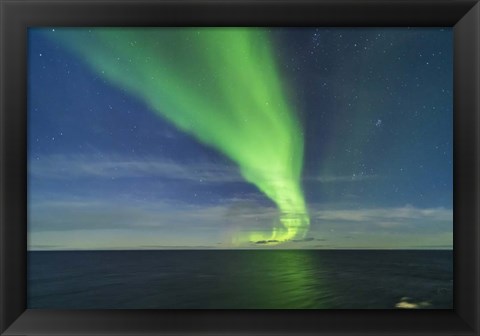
[{"x": 164, "y": 220}]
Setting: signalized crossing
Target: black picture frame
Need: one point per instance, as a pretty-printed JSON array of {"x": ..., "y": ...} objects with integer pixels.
[{"x": 17, "y": 15}]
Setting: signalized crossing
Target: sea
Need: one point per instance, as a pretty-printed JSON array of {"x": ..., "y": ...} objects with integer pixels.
[{"x": 241, "y": 279}]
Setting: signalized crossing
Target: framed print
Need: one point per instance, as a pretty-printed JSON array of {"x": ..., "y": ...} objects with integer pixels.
[{"x": 240, "y": 167}]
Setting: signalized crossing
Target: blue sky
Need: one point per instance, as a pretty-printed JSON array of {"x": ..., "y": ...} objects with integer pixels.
[{"x": 375, "y": 105}]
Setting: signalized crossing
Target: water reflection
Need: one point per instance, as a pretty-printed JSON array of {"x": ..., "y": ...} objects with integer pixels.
[
  {"x": 279, "y": 280},
  {"x": 261, "y": 279}
]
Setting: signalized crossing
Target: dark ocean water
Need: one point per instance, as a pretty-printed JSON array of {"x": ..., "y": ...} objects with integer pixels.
[{"x": 262, "y": 279}]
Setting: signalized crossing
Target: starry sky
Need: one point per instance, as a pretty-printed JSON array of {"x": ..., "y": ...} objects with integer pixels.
[{"x": 173, "y": 138}]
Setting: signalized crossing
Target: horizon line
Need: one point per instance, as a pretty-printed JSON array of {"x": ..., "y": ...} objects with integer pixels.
[{"x": 245, "y": 249}]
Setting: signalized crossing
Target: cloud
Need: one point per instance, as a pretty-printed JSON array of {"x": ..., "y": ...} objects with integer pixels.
[
  {"x": 73, "y": 166},
  {"x": 261, "y": 242},
  {"x": 385, "y": 217},
  {"x": 304, "y": 240},
  {"x": 96, "y": 166},
  {"x": 44, "y": 247},
  {"x": 168, "y": 222},
  {"x": 387, "y": 227},
  {"x": 176, "y": 247},
  {"x": 63, "y": 214},
  {"x": 341, "y": 178}
]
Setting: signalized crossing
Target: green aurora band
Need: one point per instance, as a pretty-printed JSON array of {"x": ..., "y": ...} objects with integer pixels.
[{"x": 221, "y": 86}]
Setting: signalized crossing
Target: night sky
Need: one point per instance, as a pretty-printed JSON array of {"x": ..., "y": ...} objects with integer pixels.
[{"x": 240, "y": 138}]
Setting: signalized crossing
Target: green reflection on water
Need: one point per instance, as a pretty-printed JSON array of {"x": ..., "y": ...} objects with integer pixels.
[{"x": 276, "y": 280}]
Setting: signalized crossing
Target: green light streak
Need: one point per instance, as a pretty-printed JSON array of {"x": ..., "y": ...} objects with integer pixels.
[{"x": 221, "y": 86}]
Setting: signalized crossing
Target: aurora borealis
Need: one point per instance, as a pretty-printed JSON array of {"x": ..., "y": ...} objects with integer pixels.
[
  {"x": 222, "y": 87},
  {"x": 240, "y": 137}
]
